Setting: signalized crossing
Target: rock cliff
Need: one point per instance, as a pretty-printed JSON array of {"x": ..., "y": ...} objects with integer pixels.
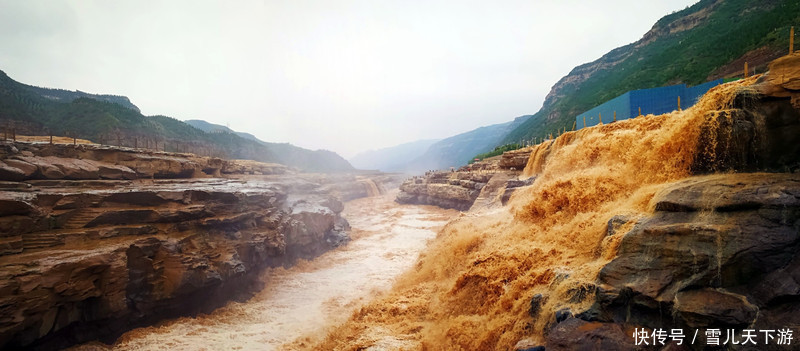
[
  {"x": 488, "y": 182},
  {"x": 720, "y": 250},
  {"x": 92, "y": 245},
  {"x": 456, "y": 190}
]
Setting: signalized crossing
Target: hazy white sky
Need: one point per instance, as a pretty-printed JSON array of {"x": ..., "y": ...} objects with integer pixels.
[{"x": 345, "y": 76}]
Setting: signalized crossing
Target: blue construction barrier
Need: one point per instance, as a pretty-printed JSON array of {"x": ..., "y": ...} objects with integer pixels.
[{"x": 651, "y": 101}]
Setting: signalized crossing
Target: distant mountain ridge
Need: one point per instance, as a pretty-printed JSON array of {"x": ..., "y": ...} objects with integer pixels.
[
  {"x": 209, "y": 127},
  {"x": 457, "y": 150},
  {"x": 61, "y": 95},
  {"x": 310, "y": 160},
  {"x": 423, "y": 155},
  {"x": 113, "y": 119},
  {"x": 392, "y": 159},
  {"x": 709, "y": 40}
]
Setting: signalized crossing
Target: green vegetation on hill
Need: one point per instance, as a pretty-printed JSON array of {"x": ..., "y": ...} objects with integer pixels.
[
  {"x": 284, "y": 153},
  {"x": 91, "y": 118},
  {"x": 61, "y": 95},
  {"x": 175, "y": 129},
  {"x": 217, "y": 128},
  {"x": 689, "y": 46},
  {"x": 111, "y": 119}
]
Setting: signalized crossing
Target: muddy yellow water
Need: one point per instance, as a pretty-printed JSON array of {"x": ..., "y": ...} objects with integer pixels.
[
  {"x": 472, "y": 286},
  {"x": 300, "y": 303}
]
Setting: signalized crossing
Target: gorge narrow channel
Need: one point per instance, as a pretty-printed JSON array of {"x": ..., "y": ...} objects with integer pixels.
[{"x": 298, "y": 303}]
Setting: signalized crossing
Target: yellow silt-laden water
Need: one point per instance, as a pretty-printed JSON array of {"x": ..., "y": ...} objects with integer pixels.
[{"x": 471, "y": 289}]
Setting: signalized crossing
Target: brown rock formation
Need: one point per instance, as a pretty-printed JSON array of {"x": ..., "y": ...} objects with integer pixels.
[
  {"x": 24, "y": 161},
  {"x": 721, "y": 250},
  {"x": 762, "y": 129},
  {"x": 486, "y": 183},
  {"x": 89, "y": 249},
  {"x": 78, "y": 264},
  {"x": 642, "y": 223},
  {"x": 516, "y": 159},
  {"x": 456, "y": 190}
]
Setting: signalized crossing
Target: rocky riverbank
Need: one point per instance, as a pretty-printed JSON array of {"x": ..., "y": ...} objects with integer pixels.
[
  {"x": 26, "y": 161},
  {"x": 482, "y": 184},
  {"x": 97, "y": 240},
  {"x": 298, "y": 303},
  {"x": 719, "y": 251}
]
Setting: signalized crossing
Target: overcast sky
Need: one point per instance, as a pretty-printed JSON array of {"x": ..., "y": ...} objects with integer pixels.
[{"x": 345, "y": 76}]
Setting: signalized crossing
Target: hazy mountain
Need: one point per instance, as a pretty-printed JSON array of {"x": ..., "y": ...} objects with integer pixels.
[
  {"x": 216, "y": 128},
  {"x": 709, "y": 40},
  {"x": 457, "y": 150},
  {"x": 392, "y": 159}
]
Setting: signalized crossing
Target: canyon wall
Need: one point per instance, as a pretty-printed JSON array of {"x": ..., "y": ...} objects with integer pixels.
[{"x": 97, "y": 240}]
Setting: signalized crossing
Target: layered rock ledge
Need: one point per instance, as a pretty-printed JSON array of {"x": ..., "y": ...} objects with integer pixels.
[
  {"x": 25, "y": 161},
  {"x": 79, "y": 265},
  {"x": 720, "y": 251},
  {"x": 95, "y": 241},
  {"x": 482, "y": 184}
]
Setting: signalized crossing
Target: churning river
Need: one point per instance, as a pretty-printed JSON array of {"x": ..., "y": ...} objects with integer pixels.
[{"x": 299, "y": 303}]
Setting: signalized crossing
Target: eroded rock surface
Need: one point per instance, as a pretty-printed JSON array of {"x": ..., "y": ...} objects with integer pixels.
[
  {"x": 516, "y": 159},
  {"x": 78, "y": 263},
  {"x": 488, "y": 182},
  {"x": 23, "y": 161},
  {"x": 721, "y": 251},
  {"x": 97, "y": 240},
  {"x": 761, "y": 129},
  {"x": 456, "y": 190}
]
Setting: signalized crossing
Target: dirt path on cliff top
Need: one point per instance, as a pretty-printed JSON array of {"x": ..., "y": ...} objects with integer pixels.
[{"x": 299, "y": 303}]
